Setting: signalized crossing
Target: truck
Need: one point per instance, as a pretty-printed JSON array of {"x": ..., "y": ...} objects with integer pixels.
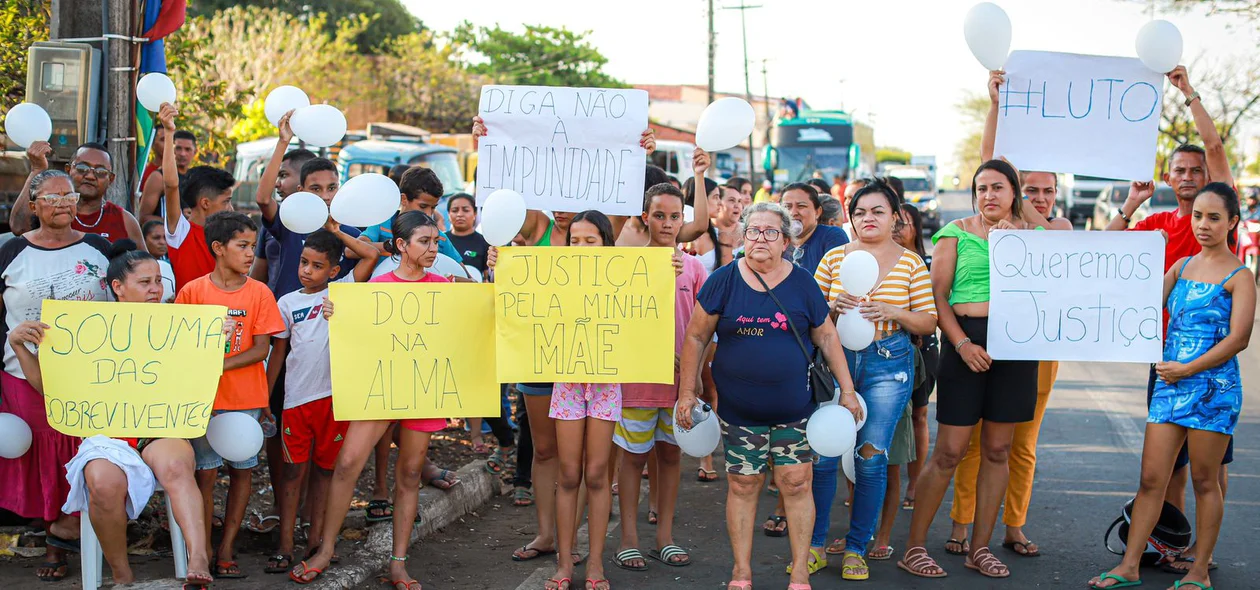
[
  {"x": 919, "y": 183},
  {"x": 1080, "y": 193},
  {"x": 826, "y": 143}
]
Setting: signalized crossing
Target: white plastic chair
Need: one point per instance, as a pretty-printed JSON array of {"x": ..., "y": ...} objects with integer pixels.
[{"x": 92, "y": 558}]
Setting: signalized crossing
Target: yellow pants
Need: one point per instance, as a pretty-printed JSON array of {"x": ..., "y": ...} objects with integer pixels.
[{"x": 1022, "y": 462}]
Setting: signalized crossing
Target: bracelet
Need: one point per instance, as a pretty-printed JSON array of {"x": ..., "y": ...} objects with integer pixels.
[
  {"x": 1127, "y": 220},
  {"x": 1193, "y": 97},
  {"x": 844, "y": 393},
  {"x": 962, "y": 343}
]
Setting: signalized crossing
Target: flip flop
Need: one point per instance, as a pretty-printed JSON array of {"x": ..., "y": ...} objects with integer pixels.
[
  {"x": 1121, "y": 581},
  {"x": 966, "y": 547},
  {"x": 668, "y": 552},
  {"x": 561, "y": 584},
  {"x": 907, "y": 504},
  {"x": 653, "y": 517},
  {"x": 60, "y": 543},
  {"x": 260, "y": 524},
  {"x": 537, "y": 553},
  {"x": 1014, "y": 545},
  {"x": 1173, "y": 569},
  {"x": 1179, "y": 583},
  {"x": 776, "y": 531},
  {"x": 300, "y": 578},
  {"x": 274, "y": 564},
  {"x": 55, "y": 566},
  {"x": 627, "y": 555},
  {"x": 445, "y": 480},
  {"x": 223, "y": 570},
  {"x": 706, "y": 475},
  {"x": 384, "y": 511},
  {"x": 196, "y": 580},
  {"x": 883, "y": 553},
  {"x": 591, "y": 584},
  {"x": 310, "y": 552},
  {"x": 405, "y": 585}
]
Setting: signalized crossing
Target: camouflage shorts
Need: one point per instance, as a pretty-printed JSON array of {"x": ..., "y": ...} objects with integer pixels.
[{"x": 750, "y": 448}]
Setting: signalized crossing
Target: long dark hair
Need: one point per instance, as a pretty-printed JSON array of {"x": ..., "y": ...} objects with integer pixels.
[
  {"x": 916, "y": 221},
  {"x": 1012, "y": 176},
  {"x": 689, "y": 198},
  {"x": 124, "y": 257},
  {"x": 597, "y": 219},
  {"x": 404, "y": 226},
  {"x": 1229, "y": 197}
]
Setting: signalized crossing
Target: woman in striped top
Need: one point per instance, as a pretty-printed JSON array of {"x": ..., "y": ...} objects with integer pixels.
[{"x": 900, "y": 305}]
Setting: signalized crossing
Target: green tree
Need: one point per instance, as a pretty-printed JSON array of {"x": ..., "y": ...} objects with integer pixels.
[
  {"x": 388, "y": 18},
  {"x": 541, "y": 56},
  {"x": 973, "y": 108},
  {"x": 427, "y": 85},
  {"x": 242, "y": 53},
  {"x": 22, "y": 22},
  {"x": 1230, "y": 90},
  {"x": 892, "y": 155}
]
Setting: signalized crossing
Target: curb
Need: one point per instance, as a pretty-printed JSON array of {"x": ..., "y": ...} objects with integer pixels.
[{"x": 439, "y": 509}]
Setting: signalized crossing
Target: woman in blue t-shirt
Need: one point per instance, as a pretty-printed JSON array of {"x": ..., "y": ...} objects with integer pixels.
[{"x": 762, "y": 378}]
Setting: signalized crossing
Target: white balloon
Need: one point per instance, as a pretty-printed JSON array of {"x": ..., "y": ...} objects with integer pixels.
[
  {"x": 846, "y": 463},
  {"x": 1159, "y": 46},
  {"x": 319, "y": 125},
  {"x": 446, "y": 266},
  {"x": 858, "y": 272},
  {"x": 988, "y": 33},
  {"x": 303, "y": 212},
  {"x": 701, "y": 440},
  {"x": 235, "y": 436},
  {"x": 387, "y": 264},
  {"x": 831, "y": 431},
  {"x": 502, "y": 216},
  {"x": 366, "y": 200},
  {"x": 282, "y": 100},
  {"x": 856, "y": 332},
  {"x": 154, "y": 89},
  {"x": 27, "y": 123},
  {"x": 474, "y": 274},
  {"x": 724, "y": 124},
  {"x": 15, "y": 436}
]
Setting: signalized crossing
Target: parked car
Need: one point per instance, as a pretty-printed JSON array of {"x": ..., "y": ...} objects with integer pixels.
[
  {"x": 1081, "y": 194},
  {"x": 1107, "y": 206},
  {"x": 920, "y": 191}
]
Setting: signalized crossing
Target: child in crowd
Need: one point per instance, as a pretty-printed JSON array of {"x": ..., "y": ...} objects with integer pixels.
[
  {"x": 647, "y": 420},
  {"x": 415, "y": 242},
  {"x": 155, "y": 243},
  {"x": 252, "y": 318},
  {"x": 309, "y": 434},
  {"x": 461, "y": 210},
  {"x": 584, "y": 414},
  {"x": 421, "y": 189},
  {"x": 207, "y": 191}
]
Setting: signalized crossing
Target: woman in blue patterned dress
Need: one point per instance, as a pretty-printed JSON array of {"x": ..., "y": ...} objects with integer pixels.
[{"x": 1211, "y": 302}]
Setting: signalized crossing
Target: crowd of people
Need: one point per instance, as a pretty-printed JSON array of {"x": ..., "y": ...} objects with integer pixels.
[{"x": 774, "y": 257}]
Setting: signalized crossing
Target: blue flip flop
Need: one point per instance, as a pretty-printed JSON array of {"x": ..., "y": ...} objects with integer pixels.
[{"x": 1199, "y": 585}]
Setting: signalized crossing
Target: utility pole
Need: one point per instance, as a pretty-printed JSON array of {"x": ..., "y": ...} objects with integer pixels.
[
  {"x": 121, "y": 102},
  {"x": 765, "y": 85},
  {"x": 712, "y": 52},
  {"x": 743, "y": 26}
]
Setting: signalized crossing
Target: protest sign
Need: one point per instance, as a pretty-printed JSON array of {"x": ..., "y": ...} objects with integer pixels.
[
  {"x": 564, "y": 149},
  {"x": 1076, "y": 296},
  {"x": 1079, "y": 114},
  {"x": 585, "y": 315},
  {"x": 418, "y": 350},
  {"x": 134, "y": 370}
]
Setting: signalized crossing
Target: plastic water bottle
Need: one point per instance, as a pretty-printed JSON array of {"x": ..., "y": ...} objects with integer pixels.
[
  {"x": 268, "y": 427},
  {"x": 700, "y": 412}
]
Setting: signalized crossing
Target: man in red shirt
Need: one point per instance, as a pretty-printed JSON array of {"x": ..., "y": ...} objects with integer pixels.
[
  {"x": 1189, "y": 169},
  {"x": 92, "y": 172}
]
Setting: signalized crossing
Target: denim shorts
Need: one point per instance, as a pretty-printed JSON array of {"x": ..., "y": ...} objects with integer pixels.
[{"x": 205, "y": 456}]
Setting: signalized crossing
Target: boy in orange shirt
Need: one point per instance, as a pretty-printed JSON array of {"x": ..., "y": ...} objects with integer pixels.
[{"x": 252, "y": 318}]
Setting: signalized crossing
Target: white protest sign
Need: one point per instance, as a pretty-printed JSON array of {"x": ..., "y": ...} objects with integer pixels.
[
  {"x": 1079, "y": 114},
  {"x": 1076, "y": 296},
  {"x": 564, "y": 149}
]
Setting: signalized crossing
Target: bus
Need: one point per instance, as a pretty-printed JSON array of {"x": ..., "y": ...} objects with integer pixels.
[{"x": 828, "y": 143}]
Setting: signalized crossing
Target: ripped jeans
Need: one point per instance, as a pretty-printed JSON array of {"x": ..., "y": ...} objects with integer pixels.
[{"x": 884, "y": 374}]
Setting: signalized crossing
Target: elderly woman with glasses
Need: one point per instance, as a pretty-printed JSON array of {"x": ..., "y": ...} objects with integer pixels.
[
  {"x": 759, "y": 306},
  {"x": 53, "y": 261}
]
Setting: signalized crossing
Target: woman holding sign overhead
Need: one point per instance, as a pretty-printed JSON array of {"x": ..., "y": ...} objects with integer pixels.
[
  {"x": 415, "y": 242},
  {"x": 53, "y": 261},
  {"x": 971, "y": 386},
  {"x": 1040, "y": 189},
  {"x": 770, "y": 315},
  {"x": 115, "y": 477}
]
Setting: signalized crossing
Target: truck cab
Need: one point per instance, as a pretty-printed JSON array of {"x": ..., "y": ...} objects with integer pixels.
[{"x": 920, "y": 190}]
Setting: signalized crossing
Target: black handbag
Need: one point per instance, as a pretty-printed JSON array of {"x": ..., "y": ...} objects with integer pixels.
[{"x": 821, "y": 383}]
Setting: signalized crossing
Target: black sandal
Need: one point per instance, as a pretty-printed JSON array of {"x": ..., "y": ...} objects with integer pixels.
[
  {"x": 1022, "y": 548},
  {"x": 379, "y": 511},
  {"x": 966, "y": 547},
  {"x": 776, "y": 531},
  {"x": 56, "y": 566},
  {"x": 279, "y": 564}
]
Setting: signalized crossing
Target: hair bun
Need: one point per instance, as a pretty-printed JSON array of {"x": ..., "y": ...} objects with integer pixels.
[{"x": 121, "y": 247}]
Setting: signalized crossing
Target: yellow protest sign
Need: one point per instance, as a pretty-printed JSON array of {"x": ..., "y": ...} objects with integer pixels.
[
  {"x": 585, "y": 315},
  {"x": 134, "y": 370},
  {"x": 412, "y": 350}
]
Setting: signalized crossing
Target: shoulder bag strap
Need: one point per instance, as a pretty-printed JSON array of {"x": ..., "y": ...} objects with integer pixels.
[{"x": 799, "y": 341}]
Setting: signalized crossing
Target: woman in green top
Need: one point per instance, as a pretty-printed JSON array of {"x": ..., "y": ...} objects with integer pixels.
[{"x": 970, "y": 385}]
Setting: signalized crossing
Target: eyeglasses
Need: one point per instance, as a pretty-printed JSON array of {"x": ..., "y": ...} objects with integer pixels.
[
  {"x": 771, "y": 235},
  {"x": 99, "y": 171},
  {"x": 54, "y": 199}
]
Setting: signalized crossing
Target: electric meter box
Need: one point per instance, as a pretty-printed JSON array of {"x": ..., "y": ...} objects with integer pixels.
[{"x": 65, "y": 79}]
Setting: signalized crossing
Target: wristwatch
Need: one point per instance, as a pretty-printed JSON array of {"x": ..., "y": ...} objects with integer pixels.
[{"x": 1193, "y": 97}]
